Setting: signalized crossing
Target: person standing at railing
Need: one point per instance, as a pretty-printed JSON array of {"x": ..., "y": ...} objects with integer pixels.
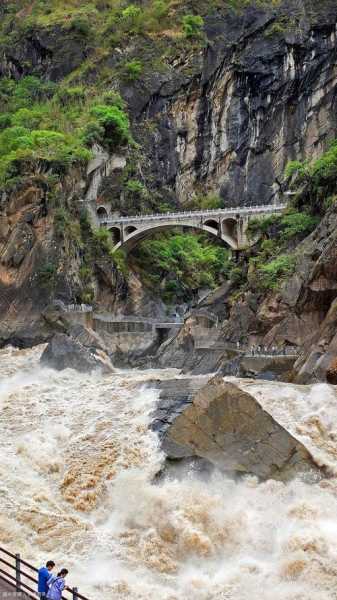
[
  {"x": 57, "y": 585},
  {"x": 44, "y": 574}
]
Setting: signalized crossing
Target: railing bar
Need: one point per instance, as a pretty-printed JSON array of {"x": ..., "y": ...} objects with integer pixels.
[
  {"x": 6, "y": 552},
  {"x": 81, "y": 596},
  {"x": 14, "y": 586},
  {"x": 14, "y": 578},
  {"x": 28, "y": 565},
  {"x": 8, "y": 575},
  {"x": 23, "y": 561},
  {"x": 7, "y": 563},
  {"x": 183, "y": 214},
  {"x": 28, "y": 576}
]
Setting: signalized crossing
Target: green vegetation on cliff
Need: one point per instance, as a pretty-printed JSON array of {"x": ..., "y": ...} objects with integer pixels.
[
  {"x": 49, "y": 128},
  {"x": 181, "y": 264},
  {"x": 75, "y": 79},
  {"x": 315, "y": 182}
]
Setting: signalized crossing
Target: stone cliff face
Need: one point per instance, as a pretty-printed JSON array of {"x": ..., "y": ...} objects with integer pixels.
[
  {"x": 262, "y": 93},
  {"x": 302, "y": 315},
  {"x": 224, "y": 118}
]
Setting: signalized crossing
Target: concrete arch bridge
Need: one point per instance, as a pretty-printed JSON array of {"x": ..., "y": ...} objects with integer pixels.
[{"x": 229, "y": 225}]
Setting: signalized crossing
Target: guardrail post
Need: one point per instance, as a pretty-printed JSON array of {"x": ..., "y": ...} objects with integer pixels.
[
  {"x": 75, "y": 593},
  {"x": 18, "y": 572}
]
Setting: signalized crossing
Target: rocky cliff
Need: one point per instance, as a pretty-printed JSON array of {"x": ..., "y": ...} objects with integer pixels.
[
  {"x": 219, "y": 111},
  {"x": 300, "y": 314}
]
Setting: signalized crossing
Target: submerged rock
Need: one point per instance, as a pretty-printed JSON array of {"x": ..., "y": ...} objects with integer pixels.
[
  {"x": 63, "y": 352},
  {"x": 229, "y": 428}
]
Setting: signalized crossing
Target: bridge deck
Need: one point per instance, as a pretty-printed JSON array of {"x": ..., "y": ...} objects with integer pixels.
[{"x": 223, "y": 212}]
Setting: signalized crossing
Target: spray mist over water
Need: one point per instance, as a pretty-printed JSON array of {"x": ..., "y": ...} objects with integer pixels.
[{"x": 77, "y": 462}]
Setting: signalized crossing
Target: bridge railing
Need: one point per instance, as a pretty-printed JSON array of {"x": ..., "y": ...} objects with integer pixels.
[
  {"x": 13, "y": 573},
  {"x": 199, "y": 213},
  {"x": 78, "y": 308}
]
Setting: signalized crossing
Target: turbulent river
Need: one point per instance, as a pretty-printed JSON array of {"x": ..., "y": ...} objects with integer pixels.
[{"x": 77, "y": 466}]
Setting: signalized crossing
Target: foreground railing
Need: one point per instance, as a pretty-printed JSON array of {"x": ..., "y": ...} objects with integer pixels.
[{"x": 14, "y": 575}]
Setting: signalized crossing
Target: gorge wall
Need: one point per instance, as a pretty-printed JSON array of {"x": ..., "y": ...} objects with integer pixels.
[{"x": 221, "y": 113}]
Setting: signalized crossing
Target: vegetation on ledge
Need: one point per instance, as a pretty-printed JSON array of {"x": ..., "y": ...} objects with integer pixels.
[{"x": 181, "y": 264}]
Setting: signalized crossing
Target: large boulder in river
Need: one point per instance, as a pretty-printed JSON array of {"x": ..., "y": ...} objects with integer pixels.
[
  {"x": 64, "y": 352},
  {"x": 229, "y": 428}
]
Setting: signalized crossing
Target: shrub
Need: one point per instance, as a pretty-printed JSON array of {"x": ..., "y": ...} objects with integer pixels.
[
  {"x": 37, "y": 151},
  {"x": 69, "y": 95},
  {"x": 31, "y": 89},
  {"x": 236, "y": 275},
  {"x": 102, "y": 243},
  {"x": 114, "y": 121},
  {"x": 324, "y": 170},
  {"x": 5, "y": 121},
  {"x": 263, "y": 225},
  {"x": 297, "y": 224},
  {"x": 317, "y": 178},
  {"x": 295, "y": 167},
  {"x": 192, "y": 25},
  {"x": 271, "y": 275},
  {"x": 29, "y": 118},
  {"x": 182, "y": 263},
  {"x": 85, "y": 273},
  {"x": 160, "y": 9},
  {"x": 81, "y": 25},
  {"x": 132, "y": 70},
  {"x": 135, "y": 187},
  {"x": 132, "y": 19},
  {"x": 93, "y": 133},
  {"x": 113, "y": 99}
]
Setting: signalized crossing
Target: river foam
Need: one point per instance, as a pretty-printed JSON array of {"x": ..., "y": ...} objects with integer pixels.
[{"x": 77, "y": 464}]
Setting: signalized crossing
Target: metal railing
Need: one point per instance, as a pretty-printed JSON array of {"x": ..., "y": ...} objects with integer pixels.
[
  {"x": 110, "y": 318},
  {"x": 78, "y": 308},
  {"x": 195, "y": 213},
  {"x": 13, "y": 575}
]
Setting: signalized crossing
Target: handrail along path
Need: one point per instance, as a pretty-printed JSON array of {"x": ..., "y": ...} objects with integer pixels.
[{"x": 12, "y": 574}]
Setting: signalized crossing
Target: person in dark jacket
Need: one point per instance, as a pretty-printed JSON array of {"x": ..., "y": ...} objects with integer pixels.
[{"x": 44, "y": 573}]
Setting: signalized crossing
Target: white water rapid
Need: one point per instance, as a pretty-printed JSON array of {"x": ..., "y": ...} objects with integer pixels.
[{"x": 77, "y": 461}]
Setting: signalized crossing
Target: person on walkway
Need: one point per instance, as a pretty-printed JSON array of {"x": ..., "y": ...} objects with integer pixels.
[
  {"x": 44, "y": 574},
  {"x": 57, "y": 585}
]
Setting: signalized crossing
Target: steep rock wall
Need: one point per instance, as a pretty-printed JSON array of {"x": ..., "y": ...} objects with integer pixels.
[{"x": 262, "y": 94}]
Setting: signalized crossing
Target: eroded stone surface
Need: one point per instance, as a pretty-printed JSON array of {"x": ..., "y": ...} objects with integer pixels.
[
  {"x": 229, "y": 428},
  {"x": 64, "y": 352}
]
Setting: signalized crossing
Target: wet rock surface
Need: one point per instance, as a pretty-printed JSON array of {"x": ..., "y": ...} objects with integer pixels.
[
  {"x": 64, "y": 352},
  {"x": 226, "y": 426}
]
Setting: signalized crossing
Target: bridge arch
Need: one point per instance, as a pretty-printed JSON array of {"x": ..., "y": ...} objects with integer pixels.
[
  {"x": 212, "y": 223},
  {"x": 116, "y": 236},
  {"x": 228, "y": 226},
  {"x": 131, "y": 240},
  {"x": 129, "y": 229}
]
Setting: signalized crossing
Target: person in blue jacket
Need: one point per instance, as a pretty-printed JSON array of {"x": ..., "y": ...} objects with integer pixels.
[
  {"x": 44, "y": 573},
  {"x": 57, "y": 585}
]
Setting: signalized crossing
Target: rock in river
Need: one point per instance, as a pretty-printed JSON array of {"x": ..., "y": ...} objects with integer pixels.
[
  {"x": 228, "y": 427},
  {"x": 63, "y": 352}
]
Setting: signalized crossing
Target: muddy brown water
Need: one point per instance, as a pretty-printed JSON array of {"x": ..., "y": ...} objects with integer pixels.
[{"x": 77, "y": 467}]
